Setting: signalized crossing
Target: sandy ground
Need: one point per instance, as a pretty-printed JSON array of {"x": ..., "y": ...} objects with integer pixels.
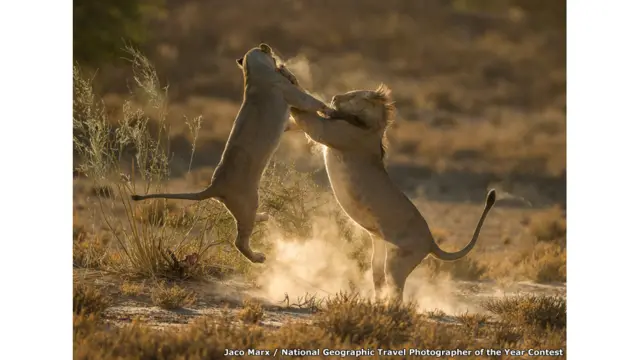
[{"x": 226, "y": 296}]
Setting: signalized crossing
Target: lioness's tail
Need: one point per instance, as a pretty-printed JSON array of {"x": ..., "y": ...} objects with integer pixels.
[
  {"x": 447, "y": 256},
  {"x": 184, "y": 196}
]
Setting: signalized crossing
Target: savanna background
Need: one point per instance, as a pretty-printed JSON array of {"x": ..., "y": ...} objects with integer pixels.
[{"x": 480, "y": 94}]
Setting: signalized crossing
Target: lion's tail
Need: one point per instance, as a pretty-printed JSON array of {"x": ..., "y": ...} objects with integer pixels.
[{"x": 447, "y": 256}]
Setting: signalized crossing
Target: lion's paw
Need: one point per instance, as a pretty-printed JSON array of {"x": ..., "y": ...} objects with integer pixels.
[{"x": 257, "y": 258}]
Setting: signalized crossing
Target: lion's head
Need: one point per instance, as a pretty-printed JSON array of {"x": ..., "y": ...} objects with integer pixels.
[
  {"x": 261, "y": 57},
  {"x": 373, "y": 110}
]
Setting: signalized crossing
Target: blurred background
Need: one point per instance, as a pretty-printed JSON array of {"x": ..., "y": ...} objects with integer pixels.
[{"x": 479, "y": 85}]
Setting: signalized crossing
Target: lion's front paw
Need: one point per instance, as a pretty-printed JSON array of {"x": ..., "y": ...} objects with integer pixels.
[{"x": 330, "y": 113}]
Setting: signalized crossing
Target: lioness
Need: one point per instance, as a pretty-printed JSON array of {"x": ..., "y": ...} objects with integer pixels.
[
  {"x": 354, "y": 158},
  {"x": 269, "y": 90}
]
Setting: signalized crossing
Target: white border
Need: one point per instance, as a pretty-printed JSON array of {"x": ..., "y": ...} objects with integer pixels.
[
  {"x": 603, "y": 178},
  {"x": 36, "y": 90}
]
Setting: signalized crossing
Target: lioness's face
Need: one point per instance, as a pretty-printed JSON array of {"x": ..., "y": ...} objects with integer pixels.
[
  {"x": 367, "y": 105},
  {"x": 260, "y": 57}
]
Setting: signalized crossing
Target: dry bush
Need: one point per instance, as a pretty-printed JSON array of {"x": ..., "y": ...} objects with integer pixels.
[
  {"x": 506, "y": 334},
  {"x": 350, "y": 318},
  {"x": 171, "y": 297},
  {"x": 549, "y": 226},
  {"x": 251, "y": 312},
  {"x": 88, "y": 299},
  {"x": 546, "y": 263},
  {"x": 471, "y": 320},
  {"x": 542, "y": 262},
  {"x": 531, "y": 310}
]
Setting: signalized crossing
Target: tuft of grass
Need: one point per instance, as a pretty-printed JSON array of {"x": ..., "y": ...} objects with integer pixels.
[
  {"x": 132, "y": 289},
  {"x": 471, "y": 320},
  {"x": 91, "y": 252},
  {"x": 251, "y": 312},
  {"x": 88, "y": 299},
  {"x": 105, "y": 191},
  {"x": 531, "y": 310},
  {"x": 171, "y": 297},
  {"x": 436, "y": 314}
]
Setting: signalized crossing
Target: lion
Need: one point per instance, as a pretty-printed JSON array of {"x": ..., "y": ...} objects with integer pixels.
[
  {"x": 269, "y": 91},
  {"x": 354, "y": 151}
]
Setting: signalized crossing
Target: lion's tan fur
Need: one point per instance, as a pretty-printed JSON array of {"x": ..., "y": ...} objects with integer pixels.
[
  {"x": 354, "y": 152},
  {"x": 269, "y": 91}
]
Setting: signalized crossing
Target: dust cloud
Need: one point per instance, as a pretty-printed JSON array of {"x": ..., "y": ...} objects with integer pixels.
[{"x": 321, "y": 266}]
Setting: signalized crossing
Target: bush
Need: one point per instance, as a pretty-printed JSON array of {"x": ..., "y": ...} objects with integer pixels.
[
  {"x": 171, "y": 297},
  {"x": 89, "y": 300},
  {"x": 531, "y": 310}
]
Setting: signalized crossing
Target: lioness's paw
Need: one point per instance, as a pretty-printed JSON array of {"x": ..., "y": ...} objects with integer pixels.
[{"x": 257, "y": 258}]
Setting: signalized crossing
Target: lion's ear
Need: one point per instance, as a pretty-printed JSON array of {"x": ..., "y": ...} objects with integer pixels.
[
  {"x": 239, "y": 62},
  {"x": 265, "y": 48}
]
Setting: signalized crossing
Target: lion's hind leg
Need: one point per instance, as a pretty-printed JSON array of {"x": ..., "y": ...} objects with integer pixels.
[
  {"x": 243, "y": 208},
  {"x": 378, "y": 255},
  {"x": 399, "y": 265}
]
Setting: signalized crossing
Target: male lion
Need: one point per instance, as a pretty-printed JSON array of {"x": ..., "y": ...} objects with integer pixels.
[
  {"x": 269, "y": 90},
  {"x": 354, "y": 149}
]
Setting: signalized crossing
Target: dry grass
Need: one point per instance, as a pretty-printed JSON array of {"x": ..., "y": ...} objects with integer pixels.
[
  {"x": 132, "y": 289},
  {"x": 251, "y": 312},
  {"x": 549, "y": 226},
  {"x": 351, "y": 319},
  {"x": 151, "y": 239},
  {"x": 89, "y": 300},
  {"x": 346, "y": 323},
  {"x": 171, "y": 297},
  {"x": 91, "y": 251},
  {"x": 467, "y": 268},
  {"x": 547, "y": 263},
  {"x": 530, "y": 310}
]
